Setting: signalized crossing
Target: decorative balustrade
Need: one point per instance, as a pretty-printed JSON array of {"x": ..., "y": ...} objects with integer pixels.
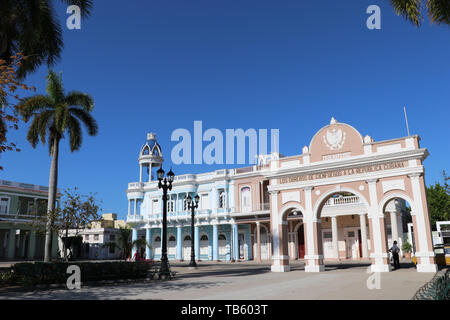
[{"x": 342, "y": 201}]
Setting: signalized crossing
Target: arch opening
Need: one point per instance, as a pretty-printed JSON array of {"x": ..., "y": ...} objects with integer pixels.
[{"x": 343, "y": 227}]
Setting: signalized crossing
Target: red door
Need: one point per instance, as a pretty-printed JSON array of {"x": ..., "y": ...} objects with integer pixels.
[
  {"x": 301, "y": 242},
  {"x": 360, "y": 243}
]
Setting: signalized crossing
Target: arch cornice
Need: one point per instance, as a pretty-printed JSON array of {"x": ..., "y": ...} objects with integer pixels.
[
  {"x": 332, "y": 191},
  {"x": 290, "y": 205},
  {"x": 390, "y": 195}
]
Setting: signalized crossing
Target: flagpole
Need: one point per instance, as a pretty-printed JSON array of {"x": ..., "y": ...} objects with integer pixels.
[{"x": 406, "y": 119}]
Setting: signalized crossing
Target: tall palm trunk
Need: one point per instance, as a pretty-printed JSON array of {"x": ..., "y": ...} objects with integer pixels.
[{"x": 52, "y": 188}]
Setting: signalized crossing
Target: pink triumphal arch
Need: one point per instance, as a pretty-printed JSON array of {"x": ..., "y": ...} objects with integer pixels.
[{"x": 353, "y": 195}]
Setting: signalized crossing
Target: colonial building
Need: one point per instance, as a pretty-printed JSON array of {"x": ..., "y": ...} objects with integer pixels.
[
  {"x": 345, "y": 197},
  {"x": 20, "y": 204},
  {"x": 93, "y": 241}
]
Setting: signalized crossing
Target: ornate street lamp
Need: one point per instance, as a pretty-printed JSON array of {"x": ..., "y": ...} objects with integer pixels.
[
  {"x": 192, "y": 206},
  {"x": 166, "y": 185}
]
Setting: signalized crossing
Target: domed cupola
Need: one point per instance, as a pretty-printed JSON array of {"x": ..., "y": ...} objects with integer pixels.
[{"x": 150, "y": 156}]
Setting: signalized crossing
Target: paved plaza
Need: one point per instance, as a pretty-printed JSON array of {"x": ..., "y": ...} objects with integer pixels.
[{"x": 252, "y": 281}]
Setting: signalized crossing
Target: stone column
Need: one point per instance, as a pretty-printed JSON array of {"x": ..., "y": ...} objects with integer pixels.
[
  {"x": 135, "y": 207},
  {"x": 422, "y": 228},
  {"x": 148, "y": 237},
  {"x": 140, "y": 172},
  {"x": 235, "y": 242},
  {"x": 362, "y": 224},
  {"x": 11, "y": 243},
  {"x": 334, "y": 231},
  {"x": 313, "y": 237},
  {"x": 197, "y": 242},
  {"x": 379, "y": 256},
  {"x": 134, "y": 236},
  {"x": 394, "y": 227},
  {"x": 215, "y": 242},
  {"x": 179, "y": 243},
  {"x": 129, "y": 206},
  {"x": 280, "y": 262},
  {"x": 32, "y": 245},
  {"x": 212, "y": 200},
  {"x": 231, "y": 195},
  {"x": 258, "y": 241},
  {"x": 218, "y": 199}
]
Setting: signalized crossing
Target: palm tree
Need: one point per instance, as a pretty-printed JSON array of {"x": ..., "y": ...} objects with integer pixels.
[
  {"x": 32, "y": 28},
  {"x": 125, "y": 244},
  {"x": 55, "y": 115},
  {"x": 438, "y": 10}
]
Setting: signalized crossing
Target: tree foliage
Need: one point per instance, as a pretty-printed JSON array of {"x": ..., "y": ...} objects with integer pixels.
[
  {"x": 33, "y": 28},
  {"x": 55, "y": 115},
  {"x": 125, "y": 244},
  {"x": 9, "y": 84},
  {"x": 438, "y": 11},
  {"x": 439, "y": 201},
  {"x": 76, "y": 213}
]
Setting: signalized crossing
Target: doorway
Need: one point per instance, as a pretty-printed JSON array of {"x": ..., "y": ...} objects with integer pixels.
[{"x": 301, "y": 242}]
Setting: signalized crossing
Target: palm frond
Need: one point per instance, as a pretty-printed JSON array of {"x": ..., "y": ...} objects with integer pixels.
[
  {"x": 87, "y": 119},
  {"x": 30, "y": 105},
  {"x": 61, "y": 118},
  {"x": 84, "y": 100},
  {"x": 439, "y": 11},
  {"x": 54, "y": 87},
  {"x": 38, "y": 35},
  {"x": 85, "y": 6},
  {"x": 408, "y": 9},
  {"x": 75, "y": 134},
  {"x": 33, "y": 132},
  {"x": 45, "y": 122}
]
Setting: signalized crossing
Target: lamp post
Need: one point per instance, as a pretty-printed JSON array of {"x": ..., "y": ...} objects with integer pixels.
[
  {"x": 192, "y": 206},
  {"x": 166, "y": 185}
]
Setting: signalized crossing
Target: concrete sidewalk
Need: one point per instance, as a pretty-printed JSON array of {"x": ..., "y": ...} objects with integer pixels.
[{"x": 254, "y": 281}]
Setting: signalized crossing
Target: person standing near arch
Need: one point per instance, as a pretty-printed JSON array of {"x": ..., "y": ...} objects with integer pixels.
[{"x": 395, "y": 254}]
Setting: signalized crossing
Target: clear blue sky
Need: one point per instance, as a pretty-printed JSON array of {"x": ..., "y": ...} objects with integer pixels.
[{"x": 159, "y": 65}]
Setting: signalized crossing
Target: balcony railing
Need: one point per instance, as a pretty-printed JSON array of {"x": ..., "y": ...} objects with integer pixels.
[
  {"x": 255, "y": 208},
  {"x": 343, "y": 201}
]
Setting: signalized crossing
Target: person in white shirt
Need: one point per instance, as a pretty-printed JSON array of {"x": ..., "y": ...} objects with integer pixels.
[{"x": 395, "y": 254}]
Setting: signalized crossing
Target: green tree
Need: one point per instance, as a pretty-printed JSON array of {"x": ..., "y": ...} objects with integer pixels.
[
  {"x": 438, "y": 11},
  {"x": 439, "y": 202},
  {"x": 125, "y": 244},
  {"x": 55, "y": 115},
  {"x": 32, "y": 28},
  {"x": 77, "y": 212}
]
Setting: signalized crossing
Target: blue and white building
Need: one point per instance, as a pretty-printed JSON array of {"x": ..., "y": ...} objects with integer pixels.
[{"x": 215, "y": 229}]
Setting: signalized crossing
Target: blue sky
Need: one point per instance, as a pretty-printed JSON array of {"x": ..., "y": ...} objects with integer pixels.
[{"x": 291, "y": 65}]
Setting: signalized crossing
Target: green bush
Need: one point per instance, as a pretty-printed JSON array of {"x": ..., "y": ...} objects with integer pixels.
[
  {"x": 7, "y": 279},
  {"x": 55, "y": 272},
  {"x": 407, "y": 247}
]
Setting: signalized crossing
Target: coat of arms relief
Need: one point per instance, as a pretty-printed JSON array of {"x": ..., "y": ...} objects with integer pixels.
[{"x": 334, "y": 139}]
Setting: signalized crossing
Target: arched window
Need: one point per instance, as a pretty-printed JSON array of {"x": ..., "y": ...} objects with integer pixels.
[
  {"x": 187, "y": 238},
  {"x": 172, "y": 238},
  {"x": 158, "y": 239},
  {"x": 222, "y": 200},
  {"x": 246, "y": 200},
  {"x": 204, "y": 238},
  {"x": 222, "y": 237},
  {"x": 146, "y": 151}
]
